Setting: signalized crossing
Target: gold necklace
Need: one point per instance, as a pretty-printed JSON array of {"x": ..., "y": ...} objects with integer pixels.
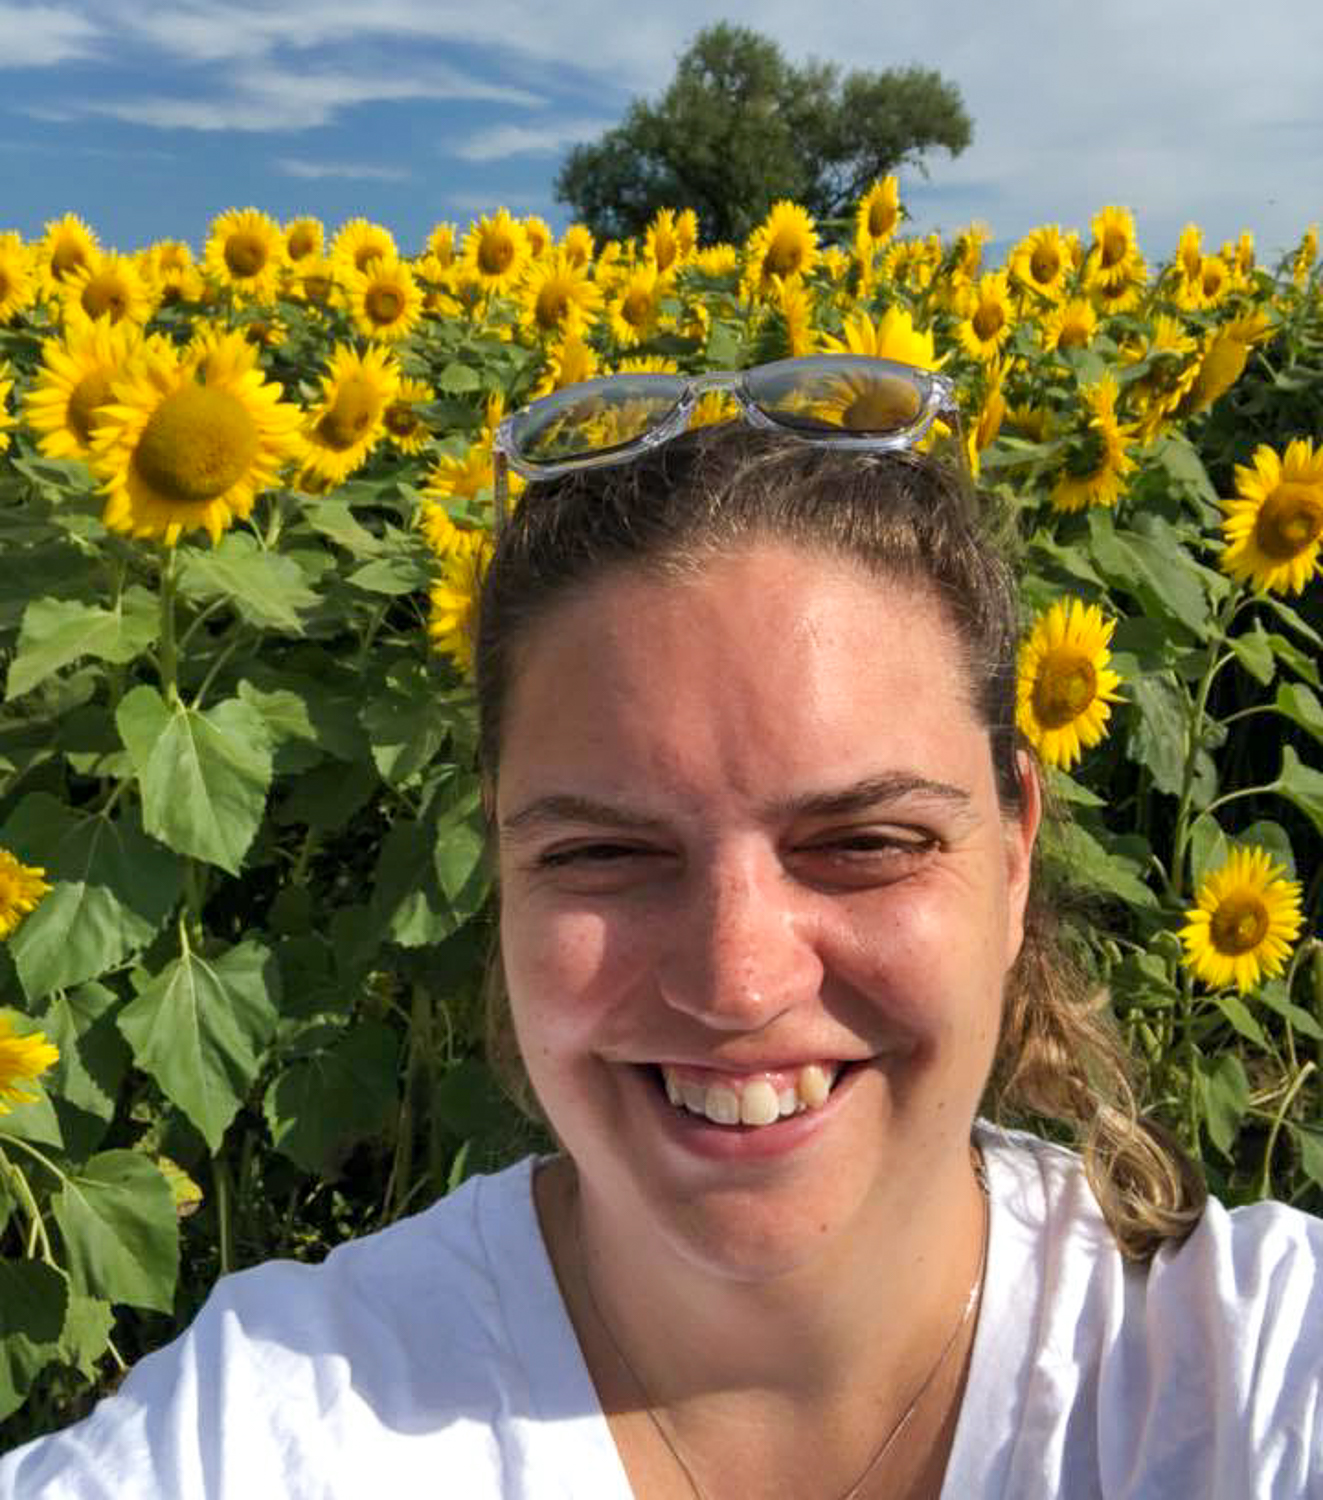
[{"x": 880, "y": 1452}]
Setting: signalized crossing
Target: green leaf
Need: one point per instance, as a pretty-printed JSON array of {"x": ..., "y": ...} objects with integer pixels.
[
  {"x": 204, "y": 775},
  {"x": 407, "y": 722},
  {"x": 1153, "y": 568},
  {"x": 201, "y": 1027},
  {"x": 35, "y": 1120},
  {"x": 1158, "y": 728},
  {"x": 457, "y": 378},
  {"x": 1091, "y": 865},
  {"x": 1302, "y": 786},
  {"x": 1302, "y": 663},
  {"x": 327, "y": 797},
  {"x": 56, "y": 632},
  {"x": 1274, "y": 995},
  {"x": 34, "y": 1300},
  {"x": 469, "y": 1103},
  {"x": 1059, "y": 784},
  {"x": 1209, "y": 848},
  {"x": 112, "y": 889},
  {"x": 1179, "y": 457},
  {"x": 335, "y": 520},
  {"x": 117, "y": 1217},
  {"x": 1274, "y": 838},
  {"x": 268, "y": 590},
  {"x": 1254, "y": 651},
  {"x": 1309, "y": 1142},
  {"x": 288, "y": 726},
  {"x": 1240, "y": 1016},
  {"x": 460, "y": 848},
  {"x": 319, "y": 1109},
  {"x": 1290, "y": 618},
  {"x": 392, "y": 575},
  {"x": 93, "y": 1060},
  {"x": 1225, "y": 1095},
  {"x": 1297, "y": 703}
]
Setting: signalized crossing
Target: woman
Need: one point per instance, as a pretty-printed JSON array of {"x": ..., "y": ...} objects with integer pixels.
[{"x": 768, "y": 938}]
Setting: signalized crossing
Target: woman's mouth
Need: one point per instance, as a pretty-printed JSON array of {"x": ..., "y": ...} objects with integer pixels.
[{"x": 760, "y": 1098}]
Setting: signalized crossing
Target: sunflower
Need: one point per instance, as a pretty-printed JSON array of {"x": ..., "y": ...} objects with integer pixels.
[
  {"x": 468, "y": 477},
  {"x": 21, "y": 888},
  {"x": 794, "y": 308},
  {"x": 18, "y": 287},
  {"x": 570, "y": 362},
  {"x": 1244, "y": 253},
  {"x": 576, "y": 245},
  {"x": 1303, "y": 260},
  {"x": 345, "y": 425},
  {"x": 1113, "y": 253},
  {"x": 1244, "y": 921},
  {"x": 635, "y": 312},
  {"x": 784, "y": 244},
  {"x": 454, "y": 597},
  {"x": 316, "y": 281},
  {"x": 6, "y": 421},
  {"x": 304, "y": 239},
  {"x": 1274, "y": 526},
  {"x": 189, "y": 440},
  {"x": 1064, "y": 686},
  {"x": 992, "y": 413},
  {"x": 22, "y": 1058},
  {"x": 67, "y": 244},
  {"x": 1070, "y": 325},
  {"x": 911, "y": 264},
  {"x": 73, "y": 384},
  {"x": 538, "y": 234},
  {"x": 894, "y": 337},
  {"x": 385, "y": 302},
  {"x": 245, "y": 252},
  {"x": 169, "y": 270},
  {"x": 1096, "y": 469},
  {"x": 439, "y": 531},
  {"x": 405, "y": 429},
  {"x": 988, "y": 316},
  {"x": 109, "y": 287},
  {"x": 712, "y": 409},
  {"x": 441, "y": 244},
  {"x": 716, "y": 260},
  {"x": 661, "y": 246},
  {"x": 877, "y": 216},
  {"x": 1041, "y": 262},
  {"x": 1171, "y": 372},
  {"x": 557, "y": 298},
  {"x": 496, "y": 251},
  {"x": 359, "y": 242},
  {"x": 1222, "y": 361}
]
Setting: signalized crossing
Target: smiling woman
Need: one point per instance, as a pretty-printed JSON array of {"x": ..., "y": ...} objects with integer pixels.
[{"x": 770, "y": 954}]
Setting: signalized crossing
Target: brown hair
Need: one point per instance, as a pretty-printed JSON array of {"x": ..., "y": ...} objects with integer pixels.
[{"x": 903, "y": 517}]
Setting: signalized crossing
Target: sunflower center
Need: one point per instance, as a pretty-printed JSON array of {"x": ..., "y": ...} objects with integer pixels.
[
  {"x": 636, "y": 309},
  {"x": 317, "y": 288},
  {"x": 1289, "y": 520},
  {"x": 881, "y": 220},
  {"x": 1072, "y": 336},
  {"x": 6, "y": 284},
  {"x": 352, "y": 413},
  {"x": 92, "y": 390},
  {"x": 1044, "y": 264},
  {"x": 400, "y": 419},
  {"x": 104, "y": 296},
  {"x": 1067, "y": 684},
  {"x": 384, "y": 304},
  {"x": 68, "y": 257},
  {"x": 552, "y": 305},
  {"x": 664, "y": 252},
  {"x": 988, "y": 321},
  {"x": 495, "y": 253},
  {"x": 1088, "y": 460},
  {"x": 1239, "y": 924},
  {"x": 197, "y": 444},
  {"x": 1114, "y": 247},
  {"x": 300, "y": 243},
  {"x": 784, "y": 255},
  {"x": 245, "y": 254}
]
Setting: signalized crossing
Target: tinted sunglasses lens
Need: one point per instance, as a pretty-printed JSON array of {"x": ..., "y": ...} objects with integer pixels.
[
  {"x": 598, "y": 417},
  {"x": 845, "y": 397}
]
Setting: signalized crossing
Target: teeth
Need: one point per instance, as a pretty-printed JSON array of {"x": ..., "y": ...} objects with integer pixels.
[{"x": 757, "y": 1102}]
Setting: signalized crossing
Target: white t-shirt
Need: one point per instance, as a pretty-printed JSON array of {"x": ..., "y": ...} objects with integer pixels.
[{"x": 436, "y": 1359}]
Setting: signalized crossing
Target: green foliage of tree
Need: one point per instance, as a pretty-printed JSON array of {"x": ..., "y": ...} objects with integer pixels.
[{"x": 740, "y": 127}]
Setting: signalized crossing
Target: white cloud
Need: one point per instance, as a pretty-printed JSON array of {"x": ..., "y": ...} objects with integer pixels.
[
  {"x": 39, "y": 36},
  {"x": 500, "y": 141},
  {"x": 313, "y": 171}
]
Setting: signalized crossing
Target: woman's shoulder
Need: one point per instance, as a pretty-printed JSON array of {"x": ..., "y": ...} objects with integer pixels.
[
  {"x": 1203, "y": 1366},
  {"x": 393, "y": 1334}
]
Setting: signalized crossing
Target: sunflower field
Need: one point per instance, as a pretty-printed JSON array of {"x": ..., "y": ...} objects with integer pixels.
[{"x": 245, "y": 501}]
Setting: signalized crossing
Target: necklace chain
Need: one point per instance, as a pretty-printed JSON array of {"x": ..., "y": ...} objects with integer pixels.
[{"x": 880, "y": 1452}]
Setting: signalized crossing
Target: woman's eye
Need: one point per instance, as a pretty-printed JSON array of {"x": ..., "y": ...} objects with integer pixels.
[
  {"x": 589, "y": 855},
  {"x": 871, "y": 849}
]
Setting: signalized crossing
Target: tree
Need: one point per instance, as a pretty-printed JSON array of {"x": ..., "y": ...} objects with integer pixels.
[{"x": 740, "y": 127}]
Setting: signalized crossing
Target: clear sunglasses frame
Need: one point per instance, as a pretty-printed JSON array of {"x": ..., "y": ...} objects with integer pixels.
[{"x": 934, "y": 391}]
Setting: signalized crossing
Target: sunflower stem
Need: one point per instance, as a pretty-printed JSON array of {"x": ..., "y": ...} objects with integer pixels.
[
  {"x": 1265, "y": 1178},
  {"x": 220, "y": 1174},
  {"x": 37, "y": 1234},
  {"x": 168, "y": 654}
]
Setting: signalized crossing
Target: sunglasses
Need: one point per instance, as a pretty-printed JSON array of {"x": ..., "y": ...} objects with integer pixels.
[{"x": 849, "y": 401}]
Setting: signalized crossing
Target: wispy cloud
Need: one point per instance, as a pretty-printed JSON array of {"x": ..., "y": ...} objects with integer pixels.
[
  {"x": 39, "y": 36},
  {"x": 526, "y": 140},
  {"x": 293, "y": 166},
  {"x": 277, "y": 99}
]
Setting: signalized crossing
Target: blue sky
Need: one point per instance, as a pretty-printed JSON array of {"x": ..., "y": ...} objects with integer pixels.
[{"x": 148, "y": 119}]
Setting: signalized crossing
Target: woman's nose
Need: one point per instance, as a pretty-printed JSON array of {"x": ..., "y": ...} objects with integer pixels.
[{"x": 742, "y": 951}]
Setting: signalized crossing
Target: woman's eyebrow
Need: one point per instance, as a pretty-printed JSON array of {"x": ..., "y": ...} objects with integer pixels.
[{"x": 859, "y": 796}]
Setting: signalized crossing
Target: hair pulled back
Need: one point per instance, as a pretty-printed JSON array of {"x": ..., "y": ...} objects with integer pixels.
[{"x": 905, "y": 519}]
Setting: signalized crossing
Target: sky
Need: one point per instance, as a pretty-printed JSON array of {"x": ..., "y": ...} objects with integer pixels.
[{"x": 149, "y": 119}]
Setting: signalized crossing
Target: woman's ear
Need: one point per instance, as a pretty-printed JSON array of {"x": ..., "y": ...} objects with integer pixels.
[{"x": 1021, "y": 836}]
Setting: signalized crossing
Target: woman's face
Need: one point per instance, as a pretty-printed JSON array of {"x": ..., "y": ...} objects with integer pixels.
[{"x": 750, "y": 845}]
